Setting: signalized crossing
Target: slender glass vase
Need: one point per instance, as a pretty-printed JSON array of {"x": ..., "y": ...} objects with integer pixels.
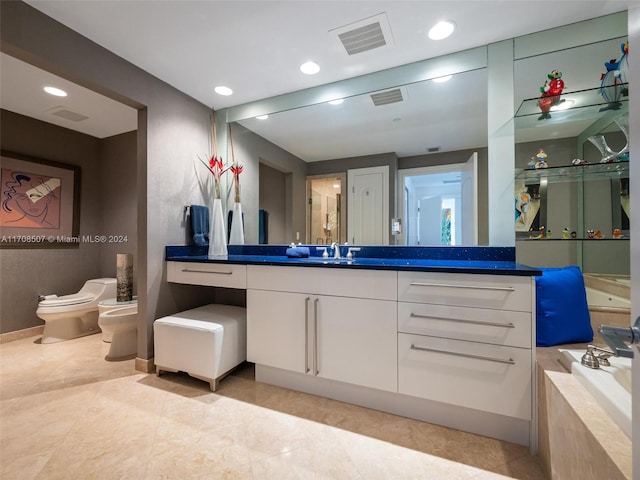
[
  {"x": 217, "y": 231},
  {"x": 623, "y": 124},
  {"x": 600, "y": 143},
  {"x": 237, "y": 227}
]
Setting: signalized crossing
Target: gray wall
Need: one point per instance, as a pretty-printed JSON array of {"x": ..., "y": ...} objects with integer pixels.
[
  {"x": 29, "y": 272},
  {"x": 118, "y": 201},
  {"x": 108, "y": 200},
  {"x": 273, "y": 185},
  {"x": 172, "y": 129},
  {"x": 251, "y": 151}
]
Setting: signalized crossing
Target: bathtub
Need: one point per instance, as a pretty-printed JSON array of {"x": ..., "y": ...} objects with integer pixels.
[
  {"x": 599, "y": 298},
  {"x": 610, "y": 386}
]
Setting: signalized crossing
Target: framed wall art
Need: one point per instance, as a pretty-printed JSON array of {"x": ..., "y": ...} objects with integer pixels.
[{"x": 39, "y": 202}]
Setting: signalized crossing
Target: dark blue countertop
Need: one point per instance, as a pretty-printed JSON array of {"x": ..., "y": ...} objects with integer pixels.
[{"x": 478, "y": 260}]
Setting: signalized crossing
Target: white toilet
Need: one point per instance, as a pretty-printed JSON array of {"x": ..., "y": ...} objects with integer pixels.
[
  {"x": 76, "y": 315},
  {"x": 120, "y": 327}
]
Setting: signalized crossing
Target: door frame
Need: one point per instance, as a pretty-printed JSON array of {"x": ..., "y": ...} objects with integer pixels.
[
  {"x": 410, "y": 172},
  {"x": 343, "y": 204}
]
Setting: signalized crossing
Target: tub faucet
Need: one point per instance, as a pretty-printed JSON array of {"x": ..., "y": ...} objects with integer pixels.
[
  {"x": 618, "y": 337},
  {"x": 336, "y": 250},
  {"x": 595, "y": 357}
]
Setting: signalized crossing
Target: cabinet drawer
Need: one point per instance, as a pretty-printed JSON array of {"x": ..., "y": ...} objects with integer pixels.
[
  {"x": 375, "y": 284},
  {"x": 210, "y": 274},
  {"x": 500, "y": 327},
  {"x": 467, "y": 290},
  {"x": 489, "y": 378}
]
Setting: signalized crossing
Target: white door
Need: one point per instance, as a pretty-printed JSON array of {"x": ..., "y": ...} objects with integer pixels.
[
  {"x": 368, "y": 206},
  {"x": 469, "y": 180},
  {"x": 430, "y": 224}
]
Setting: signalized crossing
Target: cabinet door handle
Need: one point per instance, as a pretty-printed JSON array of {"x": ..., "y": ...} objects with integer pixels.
[
  {"x": 315, "y": 336},
  {"x": 306, "y": 335},
  {"x": 472, "y": 287},
  {"x": 188, "y": 270},
  {"x": 460, "y": 320},
  {"x": 466, "y": 355}
]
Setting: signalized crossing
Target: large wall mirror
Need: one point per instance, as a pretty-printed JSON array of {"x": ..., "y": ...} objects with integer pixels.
[{"x": 406, "y": 122}]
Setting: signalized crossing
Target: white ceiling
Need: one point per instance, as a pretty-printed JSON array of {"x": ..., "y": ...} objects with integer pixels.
[{"x": 256, "y": 47}]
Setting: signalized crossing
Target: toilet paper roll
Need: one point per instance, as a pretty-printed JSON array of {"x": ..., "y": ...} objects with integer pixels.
[{"x": 124, "y": 277}]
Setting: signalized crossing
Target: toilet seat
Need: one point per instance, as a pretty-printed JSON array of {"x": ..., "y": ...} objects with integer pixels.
[{"x": 66, "y": 300}]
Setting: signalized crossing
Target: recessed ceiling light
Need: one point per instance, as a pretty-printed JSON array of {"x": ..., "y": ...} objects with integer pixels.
[
  {"x": 441, "y": 30},
  {"x": 55, "y": 91},
  {"x": 336, "y": 102},
  {"x": 262, "y": 117},
  {"x": 310, "y": 68},
  {"x": 446, "y": 78},
  {"x": 336, "y": 185},
  {"x": 221, "y": 90}
]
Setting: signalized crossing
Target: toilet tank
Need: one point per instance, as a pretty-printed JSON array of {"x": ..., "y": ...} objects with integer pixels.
[{"x": 100, "y": 287}]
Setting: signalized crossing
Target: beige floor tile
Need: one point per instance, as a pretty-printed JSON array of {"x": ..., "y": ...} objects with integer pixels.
[
  {"x": 328, "y": 461},
  {"x": 67, "y": 413}
]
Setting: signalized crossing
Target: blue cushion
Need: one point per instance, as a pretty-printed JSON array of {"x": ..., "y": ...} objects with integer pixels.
[{"x": 562, "y": 313}]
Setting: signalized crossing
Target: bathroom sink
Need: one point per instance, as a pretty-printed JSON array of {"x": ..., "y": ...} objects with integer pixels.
[{"x": 326, "y": 261}]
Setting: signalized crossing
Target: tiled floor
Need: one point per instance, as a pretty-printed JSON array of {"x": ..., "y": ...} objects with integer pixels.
[{"x": 66, "y": 413}]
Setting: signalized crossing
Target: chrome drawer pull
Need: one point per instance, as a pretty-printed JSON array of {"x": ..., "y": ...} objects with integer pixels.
[
  {"x": 472, "y": 287},
  {"x": 466, "y": 355},
  {"x": 206, "y": 271},
  {"x": 460, "y": 320},
  {"x": 316, "y": 368},
  {"x": 306, "y": 335}
]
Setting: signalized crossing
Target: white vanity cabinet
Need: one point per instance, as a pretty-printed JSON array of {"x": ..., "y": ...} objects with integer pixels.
[
  {"x": 466, "y": 340},
  {"x": 328, "y": 323},
  {"x": 211, "y": 274}
]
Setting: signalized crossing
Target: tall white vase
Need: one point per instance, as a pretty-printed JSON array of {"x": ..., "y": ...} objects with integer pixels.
[
  {"x": 217, "y": 231},
  {"x": 237, "y": 228}
]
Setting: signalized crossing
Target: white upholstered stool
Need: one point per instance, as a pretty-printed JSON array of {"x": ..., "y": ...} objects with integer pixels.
[{"x": 205, "y": 342}]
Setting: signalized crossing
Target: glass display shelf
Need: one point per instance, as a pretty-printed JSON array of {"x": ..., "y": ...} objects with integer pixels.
[
  {"x": 572, "y": 173},
  {"x": 575, "y": 106}
]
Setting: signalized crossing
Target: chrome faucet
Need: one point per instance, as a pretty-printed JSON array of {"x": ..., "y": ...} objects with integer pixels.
[
  {"x": 618, "y": 337},
  {"x": 595, "y": 357},
  {"x": 336, "y": 250}
]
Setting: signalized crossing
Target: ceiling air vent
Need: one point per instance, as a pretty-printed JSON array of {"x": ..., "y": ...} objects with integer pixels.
[
  {"x": 364, "y": 35},
  {"x": 387, "y": 97},
  {"x": 363, "y": 39},
  {"x": 69, "y": 115}
]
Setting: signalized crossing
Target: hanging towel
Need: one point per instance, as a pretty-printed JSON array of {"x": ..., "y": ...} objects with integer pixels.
[{"x": 200, "y": 224}]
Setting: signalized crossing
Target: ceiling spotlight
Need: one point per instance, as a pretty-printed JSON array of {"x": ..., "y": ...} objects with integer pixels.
[
  {"x": 441, "y": 30},
  {"x": 310, "y": 68},
  {"x": 336, "y": 102},
  {"x": 446, "y": 78},
  {"x": 55, "y": 91},
  {"x": 221, "y": 90},
  {"x": 262, "y": 117}
]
